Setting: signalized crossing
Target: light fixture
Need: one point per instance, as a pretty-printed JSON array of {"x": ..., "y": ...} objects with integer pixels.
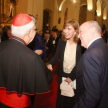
[
  {"x": 89, "y": 8},
  {"x": 104, "y": 18},
  {"x": 60, "y": 7},
  {"x": 98, "y": 14},
  {"x": 98, "y": 3},
  {"x": 74, "y": 1},
  {"x": 89, "y": 5}
]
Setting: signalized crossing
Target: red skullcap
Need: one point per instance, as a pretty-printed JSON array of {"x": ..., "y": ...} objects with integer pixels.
[{"x": 21, "y": 20}]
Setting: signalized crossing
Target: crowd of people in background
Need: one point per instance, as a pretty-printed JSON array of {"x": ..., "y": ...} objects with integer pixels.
[{"x": 44, "y": 43}]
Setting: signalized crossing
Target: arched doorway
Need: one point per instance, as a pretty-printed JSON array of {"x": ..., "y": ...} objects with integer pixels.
[
  {"x": 82, "y": 14},
  {"x": 46, "y": 19}
]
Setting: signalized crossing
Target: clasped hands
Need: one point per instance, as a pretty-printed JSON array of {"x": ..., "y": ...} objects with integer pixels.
[{"x": 49, "y": 66}]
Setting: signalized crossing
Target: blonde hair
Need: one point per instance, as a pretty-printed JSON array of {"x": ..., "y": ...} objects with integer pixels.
[{"x": 75, "y": 25}]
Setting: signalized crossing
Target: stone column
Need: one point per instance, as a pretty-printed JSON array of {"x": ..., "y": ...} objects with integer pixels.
[
  {"x": 37, "y": 12},
  {"x": 90, "y": 15},
  {"x": 73, "y": 11},
  {"x": 99, "y": 20},
  {"x": 55, "y": 14}
]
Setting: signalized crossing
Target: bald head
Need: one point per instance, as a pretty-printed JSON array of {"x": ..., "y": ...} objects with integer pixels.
[
  {"x": 88, "y": 32},
  {"x": 94, "y": 24}
]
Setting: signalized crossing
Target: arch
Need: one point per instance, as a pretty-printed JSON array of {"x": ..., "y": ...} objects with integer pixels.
[
  {"x": 82, "y": 14},
  {"x": 60, "y": 7},
  {"x": 47, "y": 13},
  {"x": 98, "y": 4},
  {"x": 89, "y": 4}
]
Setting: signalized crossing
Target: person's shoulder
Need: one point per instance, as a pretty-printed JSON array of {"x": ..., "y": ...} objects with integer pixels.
[
  {"x": 38, "y": 37},
  {"x": 80, "y": 47},
  {"x": 29, "y": 52},
  {"x": 61, "y": 40},
  {"x": 37, "y": 34},
  {"x": 61, "y": 43}
]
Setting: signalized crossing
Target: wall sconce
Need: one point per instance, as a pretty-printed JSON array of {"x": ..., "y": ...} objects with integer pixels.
[
  {"x": 59, "y": 9},
  {"x": 104, "y": 18},
  {"x": 74, "y": 1},
  {"x": 89, "y": 8},
  {"x": 89, "y": 5},
  {"x": 98, "y": 14},
  {"x": 98, "y": 8},
  {"x": 105, "y": 13}
]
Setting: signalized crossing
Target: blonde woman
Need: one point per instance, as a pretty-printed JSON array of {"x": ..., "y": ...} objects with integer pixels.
[{"x": 68, "y": 53}]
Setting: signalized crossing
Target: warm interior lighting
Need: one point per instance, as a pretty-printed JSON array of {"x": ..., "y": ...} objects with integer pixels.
[
  {"x": 98, "y": 8},
  {"x": 89, "y": 8},
  {"x": 104, "y": 18},
  {"x": 105, "y": 13},
  {"x": 89, "y": 5},
  {"x": 98, "y": 14},
  {"x": 60, "y": 7},
  {"x": 74, "y": 1}
]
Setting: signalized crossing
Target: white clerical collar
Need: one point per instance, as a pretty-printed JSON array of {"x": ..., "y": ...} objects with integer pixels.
[{"x": 93, "y": 41}]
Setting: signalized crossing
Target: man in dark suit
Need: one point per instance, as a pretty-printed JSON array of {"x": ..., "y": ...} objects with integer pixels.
[
  {"x": 55, "y": 39},
  {"x": 22, "y": 72},
  {"x": 92, "y": 69},
  {"x": 49, "y": 46},
  {"x": 37, "y": 45}
]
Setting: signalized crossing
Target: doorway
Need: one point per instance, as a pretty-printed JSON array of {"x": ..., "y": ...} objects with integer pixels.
[{"x": 82, "y": 14}]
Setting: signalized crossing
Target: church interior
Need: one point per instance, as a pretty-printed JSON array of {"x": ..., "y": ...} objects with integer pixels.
[
  {"x": 50, "y": 13},
  {"x": 53, "y": 13}
]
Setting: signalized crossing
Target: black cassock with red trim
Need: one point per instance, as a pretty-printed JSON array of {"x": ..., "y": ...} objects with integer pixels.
[{"x": 21, "y": 70}]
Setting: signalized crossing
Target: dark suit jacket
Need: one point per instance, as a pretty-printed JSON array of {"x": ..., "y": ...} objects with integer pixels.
[
  {"x": 59, "y": 55},
  {"x": 22, "y": 70},
  {"x": 56, "y": 43},
  {"x": 49, "y": 44},
  {"x": 92, "y": 77},
  {"x": 38, "y": 44}
]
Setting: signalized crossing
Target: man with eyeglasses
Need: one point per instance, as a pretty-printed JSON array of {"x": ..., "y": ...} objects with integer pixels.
[{"x": 22, "y": 71}]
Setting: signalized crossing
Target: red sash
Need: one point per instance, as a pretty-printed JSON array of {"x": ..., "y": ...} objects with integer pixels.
[{"x": 13, "y": 100}]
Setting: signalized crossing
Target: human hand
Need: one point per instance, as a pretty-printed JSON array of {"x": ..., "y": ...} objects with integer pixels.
[
  {"x": 49, "y": 66},
  {"x": 46, "y": 47},
  {"x": 68, "y": 80},
  {"x": 39, "y": 52}
]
